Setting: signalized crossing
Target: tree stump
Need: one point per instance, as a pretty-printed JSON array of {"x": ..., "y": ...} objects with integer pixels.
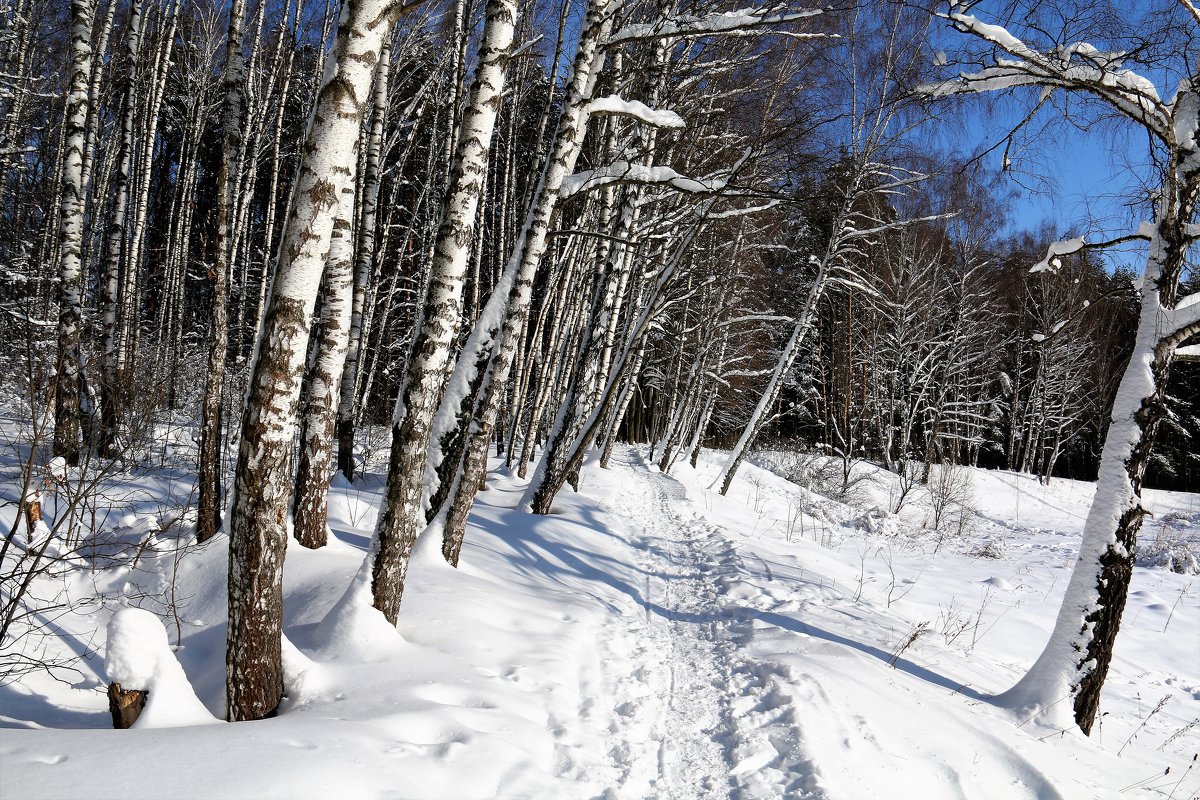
[
  {"x": 126, "y": 705},
  {"x": 33, "y": 510}
]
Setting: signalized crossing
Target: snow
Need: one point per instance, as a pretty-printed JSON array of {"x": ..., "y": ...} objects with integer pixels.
[
  {"x": 650, "y": 638},
  {"x": 1054, "y": 252},
  {"x": 719, "y": 22},
  {"x": 613, "y": 104},
  {"x": 138, "y": 656},
  {"x": 625, "y": 172}
]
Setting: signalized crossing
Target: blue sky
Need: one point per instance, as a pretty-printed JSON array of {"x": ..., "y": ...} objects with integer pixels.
[{"x": 1082, "y": 177}]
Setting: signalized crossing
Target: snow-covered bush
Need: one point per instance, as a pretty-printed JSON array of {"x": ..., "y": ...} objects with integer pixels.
[{"x": 1175, "y": 547}]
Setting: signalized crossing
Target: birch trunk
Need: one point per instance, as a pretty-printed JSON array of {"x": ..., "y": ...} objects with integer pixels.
[
  {"x": 70, "y": 236},
  {"x": 1075, "y": 661},
  {"x": 110, "y": 282},
  {"x": 310, "y": 508},
  {"x": 262, "y": 488},
  {"x": 364, "y": 269},
  {"x": 565, "y": 451},
  {"x": 804, "y": 321},
  {"x": 208, "y": 512}
]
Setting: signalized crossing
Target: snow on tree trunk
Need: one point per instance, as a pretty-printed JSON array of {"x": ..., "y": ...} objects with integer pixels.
[
  {"x": 310, "y": 509},
  {"x": 1075, "y": 661},
  {"x": 403, "y": 513},
  {"x": 509, "y": 303},
  {"x": 1071, "y": 669},
  {"x": 70, "y": 235},
  {"x": 262, "y": 487},
  {"x": 208, "y": 511}
]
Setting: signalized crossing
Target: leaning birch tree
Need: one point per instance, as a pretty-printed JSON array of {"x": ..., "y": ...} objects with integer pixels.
[
  {"x": 876, "y": 124},
  {"x": 476, "y": 388},
  {"x": 1071, "y": 669},
  {"x": 403, "y": 514}
]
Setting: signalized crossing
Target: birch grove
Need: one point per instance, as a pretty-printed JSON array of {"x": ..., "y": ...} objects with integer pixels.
[{"x": 372, "y": 243}]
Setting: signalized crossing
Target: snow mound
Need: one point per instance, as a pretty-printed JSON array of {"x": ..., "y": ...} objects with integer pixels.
[
  {"x": 139, "y": 657},
  {"x": 354, "y": 630}
]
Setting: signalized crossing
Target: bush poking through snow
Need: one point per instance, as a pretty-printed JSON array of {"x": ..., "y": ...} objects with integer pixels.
[
  {"x": 990, "y": 548},
  {"x": 951, "y": 491},
  {"x": 1175, "y": 546}
]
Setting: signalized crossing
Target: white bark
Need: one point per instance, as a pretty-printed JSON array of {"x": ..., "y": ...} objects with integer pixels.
[
  {"x": 70, "y": 235},
  {"x": 403, "y": 513},
  {"x": 262, "y": 488}
]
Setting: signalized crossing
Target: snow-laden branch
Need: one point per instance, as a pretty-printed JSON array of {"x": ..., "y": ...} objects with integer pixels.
[
  {"x": 742, "y": 21},
  {"x": 741, "y": 212},
  {"x": 1192, "y": 9},
  {"x": 625, "y": 172},
  {"x": 850, "y": 234},
  {"x": 1054, "y": 253},
  {"x": 1075, "y": 67},
  {"x": 617, "y": 106},
  {"x": 755, "y": 318}
]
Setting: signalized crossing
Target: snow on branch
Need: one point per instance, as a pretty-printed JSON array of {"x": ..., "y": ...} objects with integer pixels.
[
  {"x": 1057, "y": 250},
  {"x": 615, "y": 105},
  {"x": 743, "y": 21},
  {"x": 755, "y": 318},
  {"x": 849, "y": 232},
  {"x": 625, "y": 172},
  {"x": 740, "y": 212},
  {"x": 1074, "y": 67},
  {"x": 1186, "y": 315}
]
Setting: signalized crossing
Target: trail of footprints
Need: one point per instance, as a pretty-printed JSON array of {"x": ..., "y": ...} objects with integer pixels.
[{"x": 694, "y": 719}]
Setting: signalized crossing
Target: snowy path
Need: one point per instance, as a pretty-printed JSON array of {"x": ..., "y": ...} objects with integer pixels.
[
  {"x": 734, "y": 686},
  {"x": 673, "y": 710}
]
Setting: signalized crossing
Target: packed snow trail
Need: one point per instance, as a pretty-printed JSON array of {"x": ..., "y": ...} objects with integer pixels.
[
  {"x": 746, "y": 685},
  {"x": 684, "y": 646}
]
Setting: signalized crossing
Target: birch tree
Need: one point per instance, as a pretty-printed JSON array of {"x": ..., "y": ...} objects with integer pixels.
[
  {"x": 70, "y": 235},
  {"x": 208, "y": 513},
  {"x": 1071, "y": 669},
  {"x": 262, "y": 487}
]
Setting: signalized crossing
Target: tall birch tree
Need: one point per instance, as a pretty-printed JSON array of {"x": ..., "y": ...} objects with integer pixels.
[
  {"x": 208, "y": 513},
  {"x": 262, "y": 486},
  {"x": 1071, "y": 669},
  {"x": 70, "y": 235}
]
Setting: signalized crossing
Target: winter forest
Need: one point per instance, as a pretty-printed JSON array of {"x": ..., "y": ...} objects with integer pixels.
[{"x": 599, "y": 399}]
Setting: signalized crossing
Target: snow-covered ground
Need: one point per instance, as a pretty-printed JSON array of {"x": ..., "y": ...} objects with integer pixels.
[{"x": 649, "y": 639}]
